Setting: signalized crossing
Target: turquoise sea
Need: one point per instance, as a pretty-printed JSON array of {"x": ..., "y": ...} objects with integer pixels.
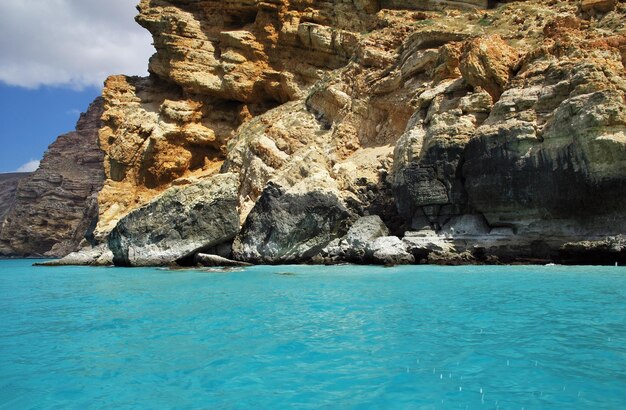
[{"x": 344, "y": 337}]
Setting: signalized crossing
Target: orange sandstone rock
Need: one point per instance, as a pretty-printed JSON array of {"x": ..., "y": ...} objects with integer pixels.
[{"x": 487, "y": 63}]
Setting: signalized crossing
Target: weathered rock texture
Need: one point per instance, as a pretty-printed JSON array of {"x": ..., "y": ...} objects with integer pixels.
[
  {"x": 474, "y": 130},
  {"x": 55, "y": 207},
  {"x": 612, "y": 248},
  {"x": 178, "y": 224},
  {"x": 99, "y": 255},
  {"x": 291, "y": 225},
  {"x": 8, "y": 190},
  {"x": 204, "y": 259}
]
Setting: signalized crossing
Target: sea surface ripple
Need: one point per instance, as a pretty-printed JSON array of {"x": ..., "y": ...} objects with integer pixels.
[{"x": 506, "y": 337}]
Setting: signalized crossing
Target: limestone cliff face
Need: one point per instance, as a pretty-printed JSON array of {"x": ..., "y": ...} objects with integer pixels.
[
  {"x": 217, "y": 66},
  {"x": 55, "y": 205},
  {"x": 474, "y": 129}
]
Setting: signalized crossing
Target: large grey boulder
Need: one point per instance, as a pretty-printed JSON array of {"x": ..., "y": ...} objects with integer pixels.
[
  {"x": 291, "y": 225},
  {"x": 216, "y": 260},
  {"x": 353, "y": 247},
  {"x": 365, "y": 230},
  {"x": 178, "y": 224},
  {"x": 422, "y": 244},
  {"x": 390, "y": 250},
  {"x": 99, "y": 255}
]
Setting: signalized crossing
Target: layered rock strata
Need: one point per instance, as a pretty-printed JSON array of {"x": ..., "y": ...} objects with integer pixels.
[
  {"x": 8, "y": 189},
  {"x": 55, "y": 208},
  {"x": 463, "y": 131}
]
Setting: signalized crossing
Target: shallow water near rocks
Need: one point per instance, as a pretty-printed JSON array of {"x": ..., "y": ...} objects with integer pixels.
[{"x": 318, "y": 337}]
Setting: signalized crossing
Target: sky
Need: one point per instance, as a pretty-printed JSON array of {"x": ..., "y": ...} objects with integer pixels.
[{"x": 54, "y": 58}]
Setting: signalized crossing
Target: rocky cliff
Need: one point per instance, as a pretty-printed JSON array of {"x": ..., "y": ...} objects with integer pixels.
[
  {"x": 53, "y": 208},
  {"x": 472, "y": 130},
  {"x": 8, "y": 189}
]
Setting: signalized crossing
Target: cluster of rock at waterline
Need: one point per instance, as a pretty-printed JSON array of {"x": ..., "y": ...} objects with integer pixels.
[
  {"x": 52, "y": 210},
  {"x": 368, "y": 131}
]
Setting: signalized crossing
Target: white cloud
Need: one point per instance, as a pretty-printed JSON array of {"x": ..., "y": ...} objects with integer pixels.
[
  {"x": 30, "y": 166},
  {"x": 75, "y": 43}
]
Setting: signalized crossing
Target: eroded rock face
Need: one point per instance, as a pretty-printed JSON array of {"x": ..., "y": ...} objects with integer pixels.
[
  {"x": 178, "y": 224},
  {"x": 532, "y": 153},
  {"x": 390, "y": 250},
  {"x": 356, "y": 245},
  {"x": 8, "y": 189},
  {"x": 216, "y": 68},
  {"x": 250, "y": 51},
  {"x": 291, "y": 225},
  {"x": 361, "y": 235},
  {"x": 99, "y": 255},
  {"x": 56, "y": 206},
  {"x": 487, "y": 62},
  {"x": 154, "y": 135},
  {"x": 611, "y": 249},
  {"x": 551, "y": 159},
  {"x": 595, "y": 6},
  {"x": 472, "y": 134}
]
